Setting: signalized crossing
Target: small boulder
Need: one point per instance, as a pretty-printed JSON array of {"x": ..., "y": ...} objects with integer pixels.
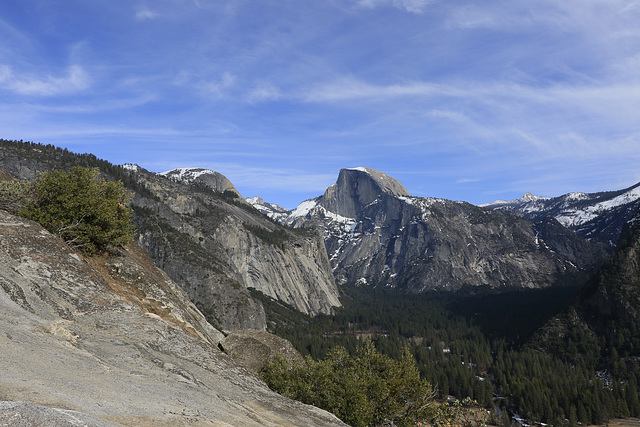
[{"x": 251, "y": 349}]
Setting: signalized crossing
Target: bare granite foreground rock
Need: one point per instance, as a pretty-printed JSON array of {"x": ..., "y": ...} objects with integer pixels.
[
  {"x": 113, "y": 341},
  {"x": 24, "y": 414}
]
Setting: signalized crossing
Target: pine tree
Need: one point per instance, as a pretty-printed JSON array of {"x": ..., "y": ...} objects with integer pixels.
[{"x": 89, "y": 213}]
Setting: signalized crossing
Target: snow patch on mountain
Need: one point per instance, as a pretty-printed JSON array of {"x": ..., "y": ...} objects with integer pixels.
[
  {"x": 186, "y": 174},
  {"x": 303, "y": 208},
  {"x": 579, "y": 216},
  {"x": 526, "y": 198},
  {"x": 595, "y": 216},
  {"x": 273, "y": 211},
  {"x": 131, "y": 167},
  {"x": 348, "y": 224}
]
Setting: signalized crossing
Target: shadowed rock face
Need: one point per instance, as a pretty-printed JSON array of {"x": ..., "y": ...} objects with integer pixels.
[
  {"x": 606, "y": 311},
  {"x": 611, "y": 299},
  {"x": 358, "y": 187},
  {"x": 113, "y": 341}
]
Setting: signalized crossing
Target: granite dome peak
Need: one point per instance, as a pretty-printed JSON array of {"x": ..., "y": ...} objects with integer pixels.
[{"x": 355, "y": 188}]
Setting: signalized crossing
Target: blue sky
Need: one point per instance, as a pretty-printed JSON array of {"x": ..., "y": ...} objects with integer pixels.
[{"x": 462, "y": 100}]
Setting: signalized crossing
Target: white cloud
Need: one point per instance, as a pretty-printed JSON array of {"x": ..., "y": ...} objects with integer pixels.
[
  {"x": 467, "y": 180},
  {"x": 218, "y": 88},
  {"x": 454, "y": 116},
  {"x": 600, "y": 97},
  {"x": 350, "y": 88},
  {"x": 75, "y": 80},
  {"x": 470, "y": 17},
  {"x": 411, "y": 6},
  {"x": 371, "y": 4},
  {"x": 264, "y": 92},
  {"x": 144, "y": 14}
]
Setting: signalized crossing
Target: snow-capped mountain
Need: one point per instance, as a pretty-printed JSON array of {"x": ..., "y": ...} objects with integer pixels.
[
  {"x": 527, "y": 198},
  {"x": 187, "y": 174},
  {"x": 273, "y": 211},
  {"x": 376, "y": 233},
  {"x": 214, "y": 180},
  {"x": 595, "y": 216}
]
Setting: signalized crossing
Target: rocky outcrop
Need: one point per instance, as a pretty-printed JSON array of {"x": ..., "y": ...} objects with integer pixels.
[
  {"x": 113, "y": 341},
  {"x": 251, "y": 349},
  {"x": 376, "y": 233}
]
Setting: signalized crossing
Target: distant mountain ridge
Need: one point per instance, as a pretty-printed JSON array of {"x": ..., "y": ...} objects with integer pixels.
[
  {"x": 596, "y": 216},
  {"x": 271, "y": 210},
  {"x": 196, "y": 227},
  {"x": 377, "y": 233}
]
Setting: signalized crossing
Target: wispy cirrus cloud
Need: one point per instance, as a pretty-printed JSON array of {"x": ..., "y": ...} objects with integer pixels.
[
  {"x": 75, "y": 80},
  {"x": 352, "y": 88},
  {"x": 411, "y": 6},
  {"x": 264, "y": 92},
  {"x": 597, "y": 96},
  {"x": 145, "y": 14}
]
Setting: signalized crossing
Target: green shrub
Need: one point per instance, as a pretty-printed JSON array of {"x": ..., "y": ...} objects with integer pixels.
[
  {"x": 369, "y": 389},
  {"x": 89, "y": 213},
  {"x": 15, "y": 195}
]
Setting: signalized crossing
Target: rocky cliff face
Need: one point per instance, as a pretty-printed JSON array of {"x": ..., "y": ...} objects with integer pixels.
[
  {"x": 376, "y": 233},
  {"x": 113, "y": 341},
  {"x": 198, "y": 229},
  {"x": 217, "y": 246},
  {"x": 357, "y": 188}
]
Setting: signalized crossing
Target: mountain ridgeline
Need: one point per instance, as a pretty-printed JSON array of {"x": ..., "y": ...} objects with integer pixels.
[
  {"x": 376, "y": 233},
  {"x": 594, "y": 216},
  {"x": 365, "y": 229}
]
